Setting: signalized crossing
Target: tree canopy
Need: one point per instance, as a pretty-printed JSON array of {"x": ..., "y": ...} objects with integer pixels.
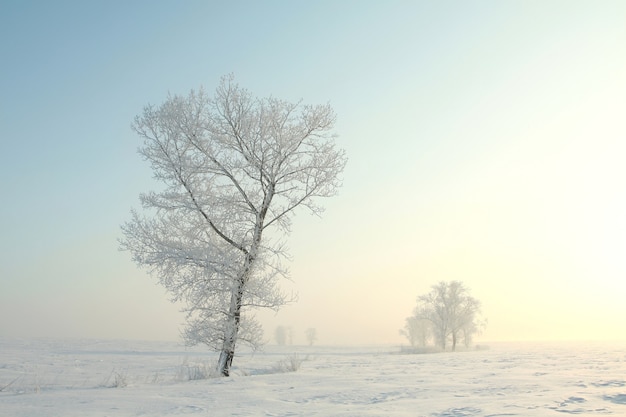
[
  {"x": 233, "y": 166},
  {"x": 446, "y": 314}
]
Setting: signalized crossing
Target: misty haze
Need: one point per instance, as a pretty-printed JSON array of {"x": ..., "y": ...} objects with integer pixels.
[{"x": 352, "y": 208}]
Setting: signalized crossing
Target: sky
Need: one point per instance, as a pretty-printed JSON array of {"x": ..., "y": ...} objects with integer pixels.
[{"x": 485, "y": 143}]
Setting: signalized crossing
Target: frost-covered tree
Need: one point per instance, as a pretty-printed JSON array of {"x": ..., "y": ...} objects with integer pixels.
[
  {"x": 280, "y": 335},
  {"x": 311, "y": 335},
  {"x": 472, "y": 328},
  {"x": 452, "y": 312},
  {"x": 234, "y": 167},
  {"x": 417, "y": 331}
]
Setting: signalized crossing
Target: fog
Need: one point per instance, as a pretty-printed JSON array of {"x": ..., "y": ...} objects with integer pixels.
[{"x": 485, "y": 145}]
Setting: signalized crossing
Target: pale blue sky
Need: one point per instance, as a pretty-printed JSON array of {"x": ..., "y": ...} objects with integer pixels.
[{"x": 485, "y": 143}]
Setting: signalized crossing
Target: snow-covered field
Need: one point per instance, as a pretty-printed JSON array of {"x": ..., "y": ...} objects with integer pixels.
[{"x": 127, "y": 378}]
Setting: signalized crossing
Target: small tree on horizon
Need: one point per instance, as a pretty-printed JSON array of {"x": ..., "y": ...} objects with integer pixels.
[
  {"x": 451, "y": 312},
  {"x": 311, "y": 335},
  {"x": 234, "y": 169},
  {"x": 280, "y": 335},
  {"x": 417, "y": 331}
]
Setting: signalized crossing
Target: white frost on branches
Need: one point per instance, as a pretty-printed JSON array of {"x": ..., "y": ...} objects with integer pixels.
[{"x": 233, "y": 166}]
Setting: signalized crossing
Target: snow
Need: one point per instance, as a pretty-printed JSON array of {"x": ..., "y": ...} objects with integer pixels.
[{"x": 129, "y": 378}]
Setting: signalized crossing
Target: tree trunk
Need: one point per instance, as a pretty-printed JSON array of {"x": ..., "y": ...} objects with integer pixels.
[
  {"x": 230, "y": 333},
  {"x": 234, "y": 314},
  {"x": 234, "y": 319}
]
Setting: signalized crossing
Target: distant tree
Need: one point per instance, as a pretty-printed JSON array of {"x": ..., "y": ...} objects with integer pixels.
[
  {"x": 311, "y": 335},
  {"x": 234, "y": 167},
  {"x": 280, "y": 335},
  {"x": 417, "y": 331},
  {"x": 452, "y": 312},
  {"x": 473, "y": 328}
]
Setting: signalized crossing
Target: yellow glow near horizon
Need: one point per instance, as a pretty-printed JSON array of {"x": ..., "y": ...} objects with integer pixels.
[{"x": 486, "y": 144}]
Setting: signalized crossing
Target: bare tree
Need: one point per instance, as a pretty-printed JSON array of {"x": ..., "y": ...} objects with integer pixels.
[
  {"x": 311, "y": 335},
  {"x": 417, "y": 331},
  {"x": 280, "y": 335},
  {"x": 234, "y": 167},
  {"x": 452, "y": 312},
  {"x": 472, "y": 328}
]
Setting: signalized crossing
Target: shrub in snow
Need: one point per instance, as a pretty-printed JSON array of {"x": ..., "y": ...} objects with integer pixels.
[
  {"x": 194, "y": 372},
  {"x": 291, "y": 363},
  {"x": 115, "y": 380}
]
